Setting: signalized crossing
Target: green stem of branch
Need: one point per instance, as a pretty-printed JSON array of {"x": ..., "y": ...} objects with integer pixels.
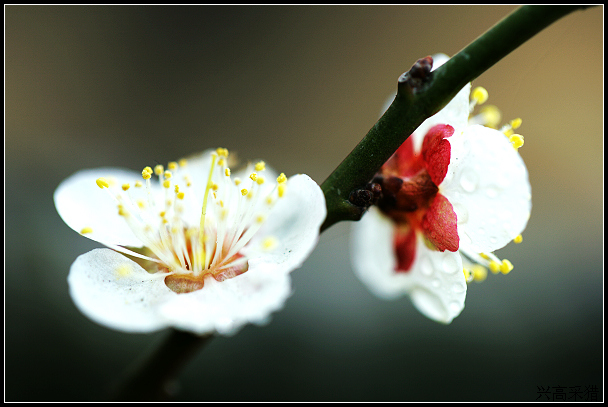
[{"x": 410, "y": 108}]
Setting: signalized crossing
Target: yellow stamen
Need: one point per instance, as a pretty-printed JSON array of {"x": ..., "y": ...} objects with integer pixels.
[
  {"x": 138, "y": 184},
  {"x": 168, "y": 174},
  {"x": 183, "y": 162},
  {"x": 201, "y": 232},
  {"x": 86, "y": 230},
  {"x": 518, "y": 239},
  {"x": 102, "y": 183},
  {"x": 515, "y": 123},
  {"x": 172, "y": 165},
  {"x": 269, "y": 243},
  {"x": 180, "y": 195},
  {"x": 167, "y": 183},
  {"x": 281, "y": 178},
  {"x": 494, "y": 267},
  {"x": 480, "y": 273},
  {"x": 517, "y": 140},
  {"x": 253, "y": 176},
  {"x": 244, "y": 192},
  {"x": 506, "y": 266},
  {"x": 227, "y": 172},
  {"x": 261, "y": 166},
  {"x": 480, "y": 95},
  {"x": 125, "y": 187},
  {"x": 159, "y": 169},
  {"x": 260, "y": 180},
  {"x": 145, "y": 174},
  {"x": 281, "y": 189},
  {"x": 491, "y": 115},
  {"x": 222, "y": 152}
]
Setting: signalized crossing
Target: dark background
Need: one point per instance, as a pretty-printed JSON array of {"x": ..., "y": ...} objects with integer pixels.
[{"x": 299, "y": 86}]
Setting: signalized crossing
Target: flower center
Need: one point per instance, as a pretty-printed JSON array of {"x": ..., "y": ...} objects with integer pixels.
[{"x": 194, "y": 233}]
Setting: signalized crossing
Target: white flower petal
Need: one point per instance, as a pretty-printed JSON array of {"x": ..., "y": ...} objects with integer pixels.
[
  {"x": 116, "y": 292},
  {"x": 82, "y": 204},
  {"x": 487, "y": 184},
  {"x": 228, "y": 305},
  {"x": 436, "y": 283},
  {"x": 373, "y": 255},
  {"x": 291, "y": 231},
  {"x": 437, "y": 286}
]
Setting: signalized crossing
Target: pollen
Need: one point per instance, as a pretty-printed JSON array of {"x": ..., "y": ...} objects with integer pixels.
[
  {"x": 260, "y": 180},
  {"x": 86, "y": 230},
  {"x": 281, "y": 178},
  {"x": 168, "y": 174},
  {"x": 227, "y": 172},
  {"x": 125, "y": 187},
  {"x": 480, "y": 273},
  {"x": 260, "y": 166},
  {"x": 183, "y": 162},
  {"x": 123, "y": 270},
  {"x": 102, "y": 183},
  {"x": 145, "y": 174},
  {"x": 269, "y": 243},
  {"x": 159, "y": 169},
  {"x": 281, "y": 189},
  {"x": 244, "y": 192},
  {"x": 222, "y": 152},
  {"x": 172, "y": 165},
  {"x": 506, "y": 266},
  {"x": 480, "y": 95},
  {"x": 167, "y": 183},
  {"x": 253, "y": 176},
  {"x": 517, "y": 140},
  {"x": 138, "y": 184},
  {"x": 494, "y": 266},
  {"x": 491, "y": 116},
  {"x": 515, "y": 123},
  {"x": 518, "y": 239}
]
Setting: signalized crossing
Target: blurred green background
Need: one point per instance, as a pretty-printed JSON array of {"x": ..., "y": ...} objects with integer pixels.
[{"x": 299, "y": 87}]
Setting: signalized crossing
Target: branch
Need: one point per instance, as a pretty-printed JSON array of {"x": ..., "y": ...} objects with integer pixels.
[{"x": 419, "y": 99}]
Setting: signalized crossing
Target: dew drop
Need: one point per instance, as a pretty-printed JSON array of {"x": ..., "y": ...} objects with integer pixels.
[
  {"x": 458, "y": 288},
  {"x": 426, "y": 267},
  {"x": 469, "y": 180},
  {"x": 462, "y": 214},
  {"x": 492, "y": 192},
  {"x": 454, "y": 306},
  {"x": 450, "y": 264}
]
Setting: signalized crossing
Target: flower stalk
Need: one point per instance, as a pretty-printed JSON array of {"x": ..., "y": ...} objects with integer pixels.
[{"x": 416, "y": 101}]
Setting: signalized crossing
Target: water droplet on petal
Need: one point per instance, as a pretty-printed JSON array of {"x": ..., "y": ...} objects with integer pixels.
[
  {"x": 450, "y": 264},
  {"x": 469, "y": 180},
  {"x": 454, "y": 306},
  {"x": 458, "y": 288},
  {"x": 462, "y": 214},
  {"x": 426, "y": 267}
]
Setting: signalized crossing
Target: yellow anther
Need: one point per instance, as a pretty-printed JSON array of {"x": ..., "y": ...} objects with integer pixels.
[
  {"x": 480, "y": 95},
  {"x": 517, "y": 140},
  {"x": 168, "y": 174},
  {"x": 162, "y": 214},
  {"x": 222, "y": 152},
  {"x": 148, "y": 170},
  {"x": 508, "y": 132},
  {"x": 484, "y": 256},
  {"x": 244, "y": 192},
  {"x": 494, "y": 267},
  {"x": 172, "y": 165},
  {"x": 237, "y": 181},
  {"x": 491, "y": 115},
  {"x": 506, "y": 266},
  {"x": 480, "y": 273},
  {"x": 214, "y": 186},
  {"x": 145, "y": 174},
  {"x": 281, "y": 178},
  {"x": 259, "y": 219},
  {"x": 122, "y": 211},
  {"x": 138, "y": 184},
  {"x": 125, "y": 187},
  {"x": 167, "y": 183},
  {"x": 102, "y": 183},
  {"x": 281, "y": 189},
  {"x": 176, "y": 188},
  {"x": 250, "y": 194},
  {"x": 253, "y": 176},
  {"x": 261, "y": 166},
  {"x": 180, "y": 195},
  {"x": 159, "y": 169},
  {"x": 227, "y": 172},
  {"x": 269, "y": 200},
  {"x": 221, "y": 162},
  {"x": 183, "y": 162},
  {"x": 86, "y": 230},
  {"x": 269, "y": 243},
  {"x": 141, "y": 204},
  {"x": 123, "y": 270},
  {"x": 518, "y": 239},
  {"x": 515, "y": 123},
  {"x": 260, "y": 180}
]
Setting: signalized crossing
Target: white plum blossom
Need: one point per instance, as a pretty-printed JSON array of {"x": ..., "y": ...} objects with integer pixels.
[
  {"x": 194, "y": 246},
  {"x": 454, "y": 192}
]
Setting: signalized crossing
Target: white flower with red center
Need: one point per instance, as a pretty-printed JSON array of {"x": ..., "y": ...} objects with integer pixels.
[
  {"x": 203, "y": 250},
  {"x": 451, "y": 195}
]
